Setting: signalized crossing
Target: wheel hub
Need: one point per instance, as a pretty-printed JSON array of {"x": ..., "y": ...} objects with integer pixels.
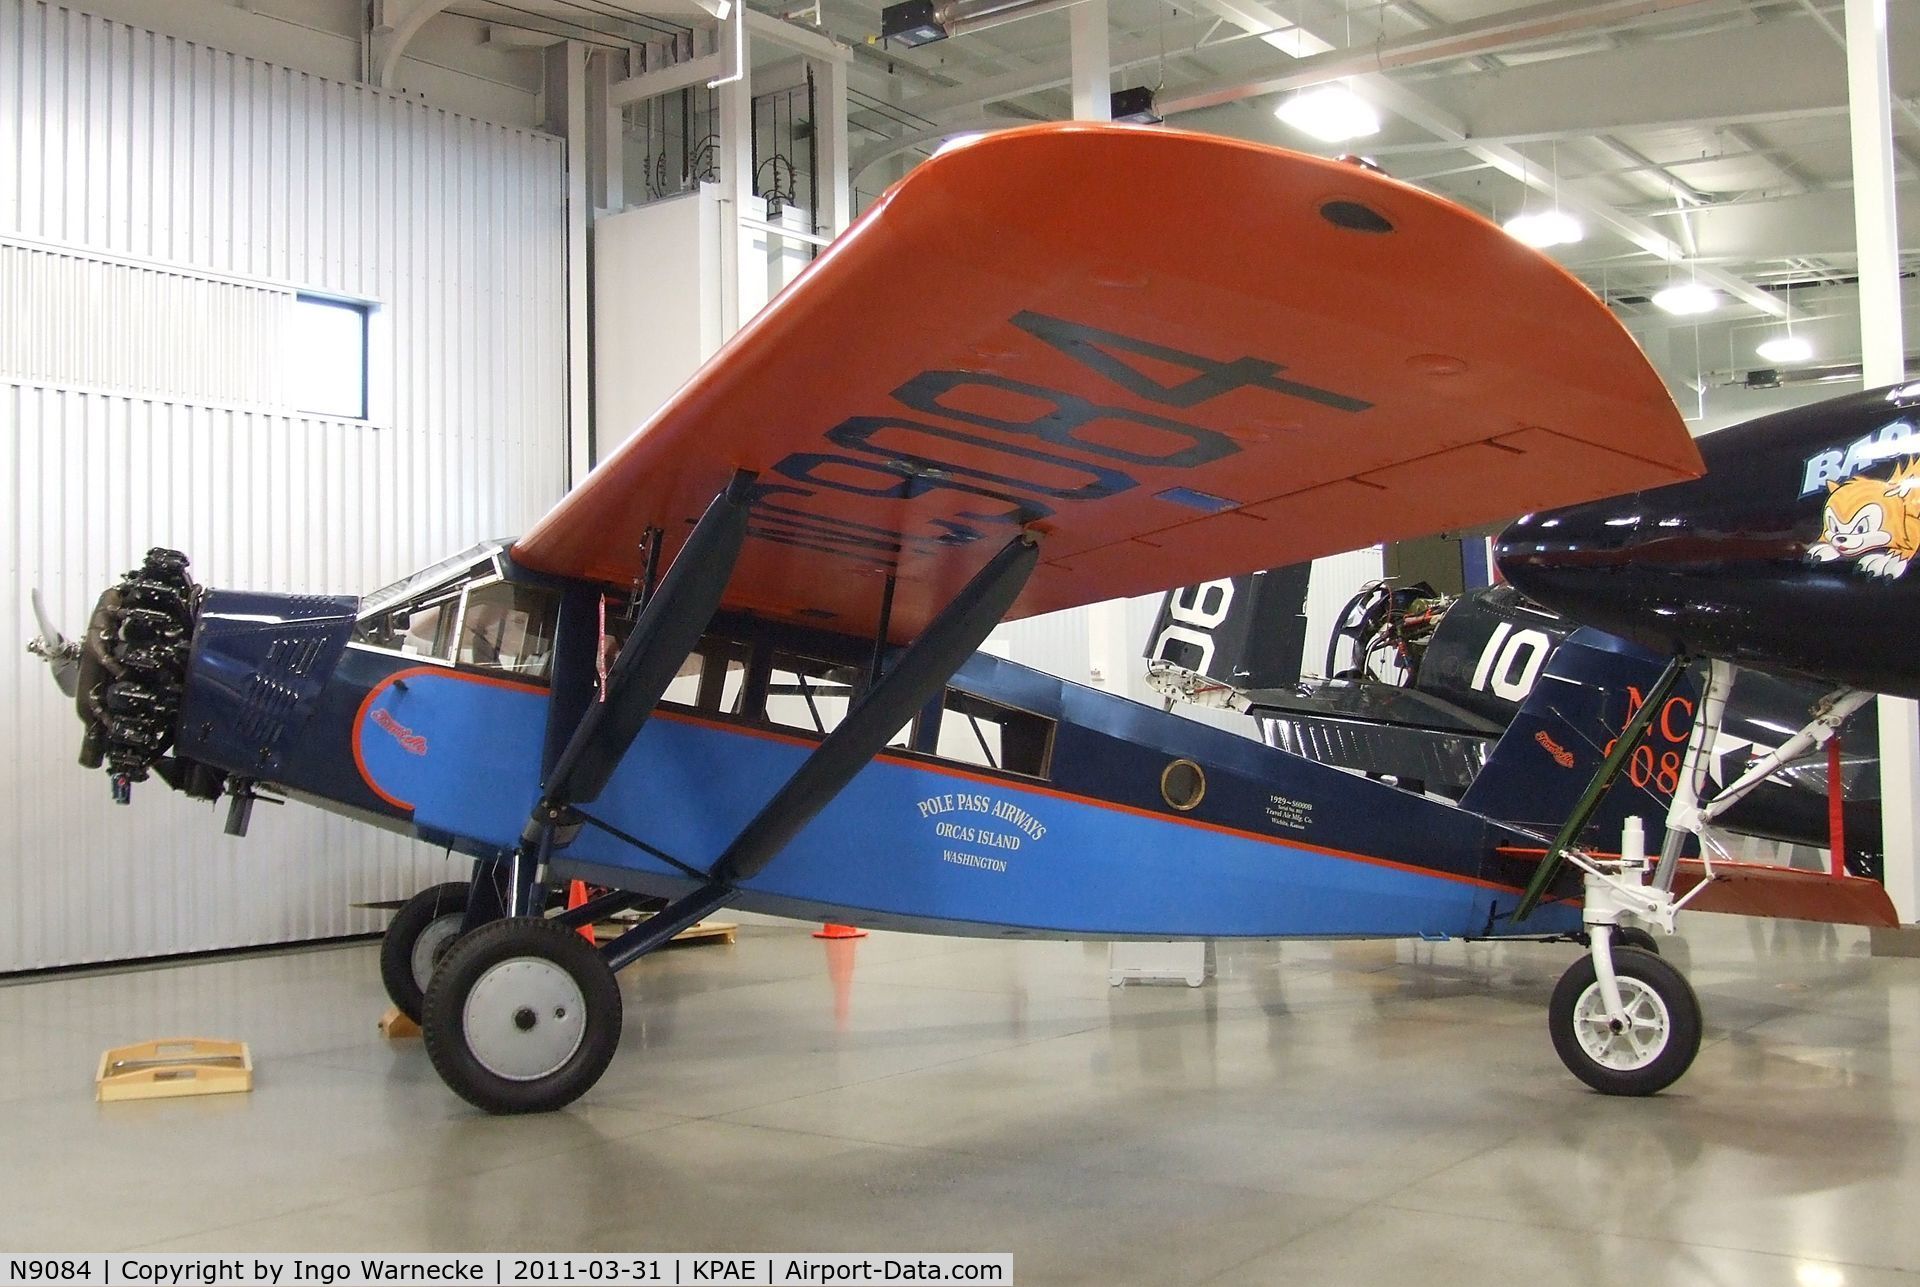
[
  {"x": 1628, "y": 1044},
  {"x": 523, "y": 1019},
  {"x": 432, "y": 944}
]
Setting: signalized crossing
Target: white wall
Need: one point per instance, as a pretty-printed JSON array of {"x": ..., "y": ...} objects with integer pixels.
[{"x": 195, "y": 189}]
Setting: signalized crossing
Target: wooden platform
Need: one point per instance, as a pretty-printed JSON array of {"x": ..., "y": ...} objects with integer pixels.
[{"x": 173, "y": 1067}]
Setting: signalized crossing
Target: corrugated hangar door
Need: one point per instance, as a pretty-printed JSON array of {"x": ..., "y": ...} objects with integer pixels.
[{"x": 164, "y": 207}]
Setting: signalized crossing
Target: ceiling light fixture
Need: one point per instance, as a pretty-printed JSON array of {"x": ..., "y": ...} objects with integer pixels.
[
  {"x": 1785, "y": 348},
  {"x": 1687, "y": 299},
  {"x": 1330, "y": 113},
  {"x": 1544, "y": 228}
]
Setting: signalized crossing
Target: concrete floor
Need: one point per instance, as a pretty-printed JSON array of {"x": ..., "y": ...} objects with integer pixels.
[{"x": 1319, "y": 1113}]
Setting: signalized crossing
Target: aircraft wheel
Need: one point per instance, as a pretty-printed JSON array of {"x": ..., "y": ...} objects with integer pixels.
[
  {"x": 1655, "y": 1046},
  {"x": 522, "y": 1016},
  {"x": 417, "y": 938}
]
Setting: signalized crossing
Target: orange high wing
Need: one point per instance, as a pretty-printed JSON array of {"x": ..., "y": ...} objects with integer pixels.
[{"x": 1174, "y": 356}]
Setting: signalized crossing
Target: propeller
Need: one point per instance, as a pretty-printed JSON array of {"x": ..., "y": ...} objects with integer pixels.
[{"x": 61, "y": 654}]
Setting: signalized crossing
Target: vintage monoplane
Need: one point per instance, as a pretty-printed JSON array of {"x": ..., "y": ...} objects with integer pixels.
[{"x": 736, "y": 665}]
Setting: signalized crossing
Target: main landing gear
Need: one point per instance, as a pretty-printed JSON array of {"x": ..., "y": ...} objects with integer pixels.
[
  {"x": 417, "y": 938},
  {"x": 523, "y": 1016}
]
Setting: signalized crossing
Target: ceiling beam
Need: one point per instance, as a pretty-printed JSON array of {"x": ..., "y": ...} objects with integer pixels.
[
  {"x": 1512, "y": 163},
  {"x": 1508, "y": 30}
]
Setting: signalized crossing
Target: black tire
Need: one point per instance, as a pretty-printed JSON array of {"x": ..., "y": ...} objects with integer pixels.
[
  {"x": 1636, "y": 938},
  {"x": 528, "y": 1049},
  {"x": 403, "y": 972},
  {"x": 1651, "y": 989}
]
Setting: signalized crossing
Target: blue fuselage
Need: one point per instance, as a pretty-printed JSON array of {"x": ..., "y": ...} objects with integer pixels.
[{"x": 1091, "y": 845}]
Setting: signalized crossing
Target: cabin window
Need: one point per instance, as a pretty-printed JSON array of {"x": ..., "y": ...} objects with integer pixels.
[
  {"x": 712, "y": 678},
  {"x": 976, "y": 731},
  {"x": 1183, "y": 784},
  {"x": 508, "y": 628},
  {"x": 684, "y": 688},
  {"x": 809, "y": 694}
]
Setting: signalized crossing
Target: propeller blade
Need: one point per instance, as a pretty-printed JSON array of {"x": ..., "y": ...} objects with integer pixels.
[{"x": 61, "y": 654}]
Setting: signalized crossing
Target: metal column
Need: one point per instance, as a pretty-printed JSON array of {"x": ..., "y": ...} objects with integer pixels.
[
  {"x": 1870, "y": 102},
  {"x": 1092, "y": 61}
]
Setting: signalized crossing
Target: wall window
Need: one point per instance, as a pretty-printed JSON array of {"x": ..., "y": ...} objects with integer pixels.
[{"x": 327, "y": 361}]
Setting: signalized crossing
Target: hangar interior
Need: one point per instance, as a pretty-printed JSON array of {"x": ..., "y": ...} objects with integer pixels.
[{"x": 322, "y": 292}]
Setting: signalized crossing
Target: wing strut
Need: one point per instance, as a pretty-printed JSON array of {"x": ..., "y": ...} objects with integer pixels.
[
  {"x": 675, "y": 617},
  {"x": 917, "y": 675}
]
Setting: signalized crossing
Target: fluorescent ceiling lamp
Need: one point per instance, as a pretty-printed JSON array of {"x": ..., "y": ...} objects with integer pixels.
[
  {"x": 1330, "y": 113},
  {"x": 1785, "y": 348},
  {"x": 1545, "y": 228},
  {"x": 1688, "y": 299},
  {"x": 1296, "y": 42}
]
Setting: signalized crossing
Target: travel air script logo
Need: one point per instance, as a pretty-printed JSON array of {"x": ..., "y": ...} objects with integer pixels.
[{"x": 979, "y": 822}]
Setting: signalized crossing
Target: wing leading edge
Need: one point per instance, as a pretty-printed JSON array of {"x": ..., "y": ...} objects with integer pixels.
[{"x": 1175, "y": 356}]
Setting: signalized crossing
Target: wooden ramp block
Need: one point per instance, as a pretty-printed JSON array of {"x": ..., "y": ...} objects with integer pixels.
[{"x": 173, "y": 1067}]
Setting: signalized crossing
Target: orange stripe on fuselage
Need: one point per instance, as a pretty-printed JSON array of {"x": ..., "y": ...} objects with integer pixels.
[{"x": 439, "y": 672}]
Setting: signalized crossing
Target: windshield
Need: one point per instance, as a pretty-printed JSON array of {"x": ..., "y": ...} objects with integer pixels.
[{"x": 447, "y": 569}]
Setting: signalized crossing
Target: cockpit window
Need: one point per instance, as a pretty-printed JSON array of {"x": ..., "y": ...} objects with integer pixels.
[
  {"x": 428, "y": 630},
  {"x": 479, "y": 621},
  {"x": 508, "y": 628},
  {"x": 422, "y": 629}
]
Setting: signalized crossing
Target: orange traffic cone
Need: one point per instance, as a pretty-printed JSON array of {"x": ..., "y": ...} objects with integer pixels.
[
  {"x": 577, "y": 897},
  {"x": 831, "y": 930}
]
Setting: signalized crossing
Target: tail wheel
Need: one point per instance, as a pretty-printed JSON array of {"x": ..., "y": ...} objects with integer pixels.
[
  {"x": 417, "y": 938},
  {"x": 522, "y": 1016},
  {"x": 1645, "y": 1053}
]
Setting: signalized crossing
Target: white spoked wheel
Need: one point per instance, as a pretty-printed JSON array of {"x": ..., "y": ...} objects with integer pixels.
[
  {"x": 1622, "y": 1046},
  {"x": 1644, "y": 1050},
  {"x": 522, "y": 1016}
]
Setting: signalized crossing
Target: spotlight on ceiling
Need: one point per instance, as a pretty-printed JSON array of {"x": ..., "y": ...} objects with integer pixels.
[
  {"x": 1135, "y": 106},
  {"x": 1545, "y": 228},
  {"x": 912, "y": 22},
  {"x": 1330, "y": 113},
  {"x": 1687, "y": 299},
  {"x": 1784, "y": 348}
]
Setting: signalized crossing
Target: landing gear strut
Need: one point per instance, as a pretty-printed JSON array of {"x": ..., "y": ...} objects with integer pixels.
[{"x": 1624, "y": 1021}]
